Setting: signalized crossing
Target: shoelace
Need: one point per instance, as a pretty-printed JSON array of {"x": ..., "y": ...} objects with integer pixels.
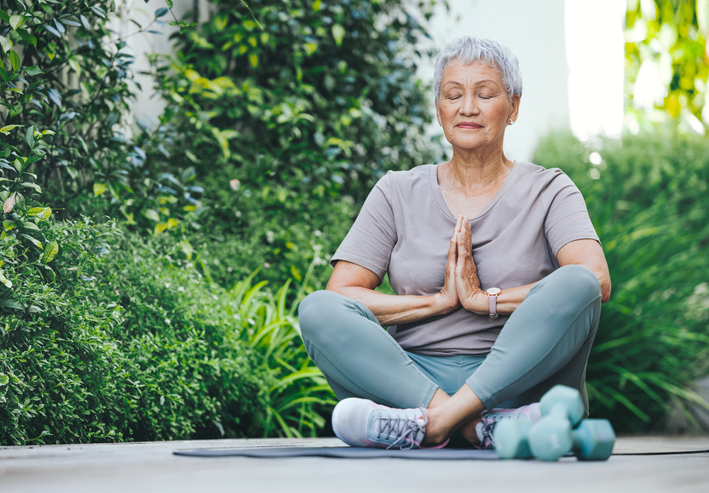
[
  {"x": 405, "y": 429},
  {"x": 488, "y": 425}
]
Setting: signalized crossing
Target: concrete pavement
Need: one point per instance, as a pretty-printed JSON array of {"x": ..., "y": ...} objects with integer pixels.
[{"x": 151, "y": 467}]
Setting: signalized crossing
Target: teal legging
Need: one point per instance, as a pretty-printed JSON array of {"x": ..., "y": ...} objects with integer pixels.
[{"x": 546, "y": 341}]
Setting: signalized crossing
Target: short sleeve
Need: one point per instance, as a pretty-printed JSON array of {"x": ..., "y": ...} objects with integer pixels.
[
  {"x": 371, "y": 239},
  {"x": 567, "y": 218}
]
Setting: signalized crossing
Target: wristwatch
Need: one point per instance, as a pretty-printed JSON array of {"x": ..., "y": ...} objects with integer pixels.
[{"x": 492, "y": 298}]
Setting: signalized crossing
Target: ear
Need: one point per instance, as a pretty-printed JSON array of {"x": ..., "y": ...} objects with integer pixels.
[
  {"x": 438, "y": 114},
  {"x": 514, "y": 113}
]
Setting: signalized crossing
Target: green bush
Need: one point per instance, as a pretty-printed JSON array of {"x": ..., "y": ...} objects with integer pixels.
[
  {"x": 289, "y": 112},
  {"x": 211, "y": 362},
  {"x": 647, "y": 197},
  {"x": 57, "y": 376},
  {"x": 130, "y": 342}
]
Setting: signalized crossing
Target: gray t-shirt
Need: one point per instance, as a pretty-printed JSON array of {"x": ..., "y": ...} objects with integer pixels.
[{"x": 405, "y": 227}]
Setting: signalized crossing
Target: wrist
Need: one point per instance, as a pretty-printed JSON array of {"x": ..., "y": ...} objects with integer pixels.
[
  {"x": 478, "y": 303},
  {"x": 442, "y": 304}
]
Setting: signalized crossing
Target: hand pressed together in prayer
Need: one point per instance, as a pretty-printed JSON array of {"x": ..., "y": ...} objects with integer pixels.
[{"x": 462, "y": 285}]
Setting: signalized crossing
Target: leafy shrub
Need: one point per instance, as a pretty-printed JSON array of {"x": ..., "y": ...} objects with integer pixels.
[
  {"x": 289, "y": 113},
  {"x": 130, "y": 343},
  {"x": 231, "y": 361},
  {"x": 57, "y": 365},
  {"x": 647, "y": 197}
]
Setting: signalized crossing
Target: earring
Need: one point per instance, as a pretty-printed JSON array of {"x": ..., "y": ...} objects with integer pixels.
[{"x": 510, "y": 122}]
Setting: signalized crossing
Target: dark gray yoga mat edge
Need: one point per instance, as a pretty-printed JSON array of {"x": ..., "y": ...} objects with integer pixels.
[{"x": 344, "y": 453}]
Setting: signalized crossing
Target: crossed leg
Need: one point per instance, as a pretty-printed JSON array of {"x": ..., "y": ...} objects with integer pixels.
[{"x": 545, "y": 342}]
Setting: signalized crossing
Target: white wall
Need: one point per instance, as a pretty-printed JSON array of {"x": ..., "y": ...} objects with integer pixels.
[{"x": 148, "y": 106}]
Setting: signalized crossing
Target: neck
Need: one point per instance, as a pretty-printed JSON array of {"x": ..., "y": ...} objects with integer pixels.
[{"x": 470, "y": 170}]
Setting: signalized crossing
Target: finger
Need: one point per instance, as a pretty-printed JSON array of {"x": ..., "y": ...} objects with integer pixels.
[
  {"x": 462, "y": 244},
  {"x": 453, "y": 248}
]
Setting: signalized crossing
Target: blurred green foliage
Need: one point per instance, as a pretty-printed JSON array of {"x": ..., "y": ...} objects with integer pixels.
[
  {"x": 647, "y": 199},
  {"x": 667, "y": 40},
  {"x": 290, "y": 112},
  {"x": 152, "y": 325}
]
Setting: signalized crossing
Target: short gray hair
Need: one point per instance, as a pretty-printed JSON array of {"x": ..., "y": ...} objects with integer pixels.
[{"x": 469, "y": 49}]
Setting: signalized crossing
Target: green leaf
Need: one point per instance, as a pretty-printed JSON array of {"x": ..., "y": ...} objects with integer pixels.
[
  {"x": 50, "y": 252},
  {"x": 34, "y": 241},
  {"x": 29, "y": 137},
  {"x": 6, "y": 129},
  {"x": 16, "y": 21},
  {"x": 151, "y": 214},
  {"x": 11, "y": 304},
  {"x": 5, "y": 281},
  {"x": 14, "y": 60},
  {"x": 53, "y": 31},
  {"x": 4, "y": 379},
  {"x": 35, "y": 309},
  {"x": 33, "y": 70},
  {"x": 24, "y": 34},
  {"x": 30, "y": 225},
  {"x": 40, "y": 211},
  {"x": 85, "y": 22},
  {"x": 5, "y": 43},
  {"x": 161, "y": 12},
  {"x": 338, "y": 33},
  {"x": 4, "y": 16},
  {"x": 32, "y": 185},
  {"x": 99, "y": 188},
  {"x": 159, "y": 228}
]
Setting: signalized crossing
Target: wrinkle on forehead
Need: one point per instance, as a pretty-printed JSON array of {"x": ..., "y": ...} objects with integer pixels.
[{"x": 463, "y": 77}]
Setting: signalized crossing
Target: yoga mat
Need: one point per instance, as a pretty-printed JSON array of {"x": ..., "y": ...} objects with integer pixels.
[
  {"x": 371, "y": 453},
  {"x": 344, "y": 453}
]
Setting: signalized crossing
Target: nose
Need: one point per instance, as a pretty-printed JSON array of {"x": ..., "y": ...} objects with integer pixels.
[{"x": 468, "y": 106}]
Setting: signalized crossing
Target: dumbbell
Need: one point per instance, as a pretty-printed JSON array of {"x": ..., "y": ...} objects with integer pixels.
[
  {"x": 552, "y": 437},
  {"x": 592, "y": 440},
  {"x": 562, "y": 410}
]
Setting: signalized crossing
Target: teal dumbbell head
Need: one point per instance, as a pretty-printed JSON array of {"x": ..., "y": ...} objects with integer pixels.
[
  {"x": 510, "y": 439},
  {"x": 564, "y": 401},
  {"x": 551, "y": 437},
  {"x": 593, "y": 439}
]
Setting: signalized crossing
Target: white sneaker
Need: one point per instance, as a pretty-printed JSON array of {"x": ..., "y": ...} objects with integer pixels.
[
  {"x": 488, "y": 419},
  {"x": 363, "y": 423}
]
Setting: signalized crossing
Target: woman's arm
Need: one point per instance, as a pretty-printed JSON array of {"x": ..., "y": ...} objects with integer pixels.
[
  {"x": 587, "y": 253},
  {"x": 358, "y": 283}
]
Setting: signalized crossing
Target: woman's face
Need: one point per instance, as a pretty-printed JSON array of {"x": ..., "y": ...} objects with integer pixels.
[{"x": 473, "y": 107}]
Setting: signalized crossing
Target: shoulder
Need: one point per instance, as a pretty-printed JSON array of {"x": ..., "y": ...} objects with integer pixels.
[
  {"x": 407, "y": 180},
  {"x": 540, "y": 173},
  {"x": 546, "y": 180}
]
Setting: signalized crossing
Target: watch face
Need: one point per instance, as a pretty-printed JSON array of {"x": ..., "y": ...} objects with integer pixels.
[{"x": 493, "y": 291}]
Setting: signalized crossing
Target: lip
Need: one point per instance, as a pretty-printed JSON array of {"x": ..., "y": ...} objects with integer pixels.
[{"x": 468, "y": 125}]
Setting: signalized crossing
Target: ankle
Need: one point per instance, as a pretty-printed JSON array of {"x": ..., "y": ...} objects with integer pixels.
[
  {"x": 436, "y": 433},
  {"x": 469, "y": 431}
]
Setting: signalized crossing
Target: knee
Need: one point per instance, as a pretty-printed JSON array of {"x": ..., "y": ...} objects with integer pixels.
[
  {"x": 577, "y": 283},
  {"x": 313, "y": 313}
]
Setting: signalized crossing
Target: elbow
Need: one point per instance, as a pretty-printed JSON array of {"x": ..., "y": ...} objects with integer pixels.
[{"x": 605, "y": 281}]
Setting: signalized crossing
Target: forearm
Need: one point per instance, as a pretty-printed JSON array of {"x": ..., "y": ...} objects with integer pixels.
[
  {"x": 394, "y": 310},
  {"x": 507, "y": 301}
]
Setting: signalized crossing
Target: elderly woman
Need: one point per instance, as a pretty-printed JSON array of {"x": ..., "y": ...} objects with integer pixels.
[{"x": 498, "y": 273}]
